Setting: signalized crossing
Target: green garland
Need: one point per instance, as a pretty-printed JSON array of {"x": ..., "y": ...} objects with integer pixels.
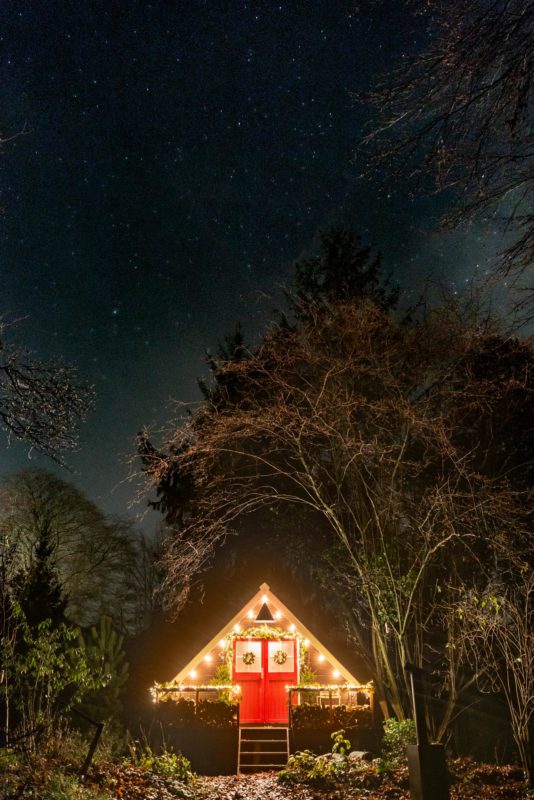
[{"x": 264, "y": 633}]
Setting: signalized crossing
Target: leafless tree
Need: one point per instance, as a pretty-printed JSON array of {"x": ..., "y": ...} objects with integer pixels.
[
  {"x": 498, "y": 630},
  {"x": 352, "y": 418},
  {"x": 461, "y": 113},
  {"x": 41, "y": 403}
]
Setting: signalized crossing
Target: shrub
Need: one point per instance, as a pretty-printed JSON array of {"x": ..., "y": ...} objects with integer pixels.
[
  {"x": 168, "y": 765},
  {"x": 61, "y": 786},
  {"x": 341, "y": 745},
  {"x": 48, "y": 673},
  {"x": 305, "y": 767},
  {"x": 179, "y": 712},
  {"x": 397, "y": 735},
  {"x": 216, "y": 713},
  {"x": 106, "y": 659},
  {"x": 310, "y": 717},
  {"x": 298, "y": 768},
  {"x": 209, "y": 713}
]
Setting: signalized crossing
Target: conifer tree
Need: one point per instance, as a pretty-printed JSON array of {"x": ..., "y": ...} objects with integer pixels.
[
  {"x": 104, "y": 652},
  {"x": 39, "y": 590}
]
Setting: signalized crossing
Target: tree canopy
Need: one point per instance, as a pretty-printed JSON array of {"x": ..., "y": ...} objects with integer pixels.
[
  {"x": 41, "y": 402},
  {"x": 459, "y": 114},
  {"x": 391, "y": 453},
  {"x": 97, "y": 561}
]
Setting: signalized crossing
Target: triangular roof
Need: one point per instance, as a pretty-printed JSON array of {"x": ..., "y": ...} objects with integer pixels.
[{"x": 264, "y": 594}]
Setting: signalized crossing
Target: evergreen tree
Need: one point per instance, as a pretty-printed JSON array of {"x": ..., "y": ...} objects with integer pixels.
[
  {"x": 343, "y": 271},
  {"x": 103, "y": 649},
  {"x": 39, "y": 590}
]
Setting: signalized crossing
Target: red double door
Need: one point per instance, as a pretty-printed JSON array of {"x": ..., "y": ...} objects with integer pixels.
[{"x": 263, "y": 668}]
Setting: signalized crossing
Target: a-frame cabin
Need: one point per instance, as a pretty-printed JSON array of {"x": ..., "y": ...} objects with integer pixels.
[{"x": 271, "y": 662}]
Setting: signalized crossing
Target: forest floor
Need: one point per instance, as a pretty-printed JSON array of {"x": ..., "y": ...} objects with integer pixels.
[{"x": 471, "y": 781}]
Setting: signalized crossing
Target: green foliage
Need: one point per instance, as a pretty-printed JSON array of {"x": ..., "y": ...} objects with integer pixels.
[
  {"x": 397, "y": 735},
  {"x": 48, "y": 674},
  {"x": 264, "y": 632},
  {"x": 103, "y": 648},
  {"x": 341, "y": 745},
  {"x": 49, "y": 773},
  {"x": 305, "y": 767},
  {"x": 216, "y": 714},
  {"x": 10, "y": 768},
  {"x": 308, "y": 676},
  {"x": 299, "y": 767},
  {"x": 311, "y": 717},
  {"x": 208, "y": 713},
  {"x": 168, "y": 765},
  {"x": 65, "y": 786},
  {"x": 320, "y": 771},
  {"x": 179, "y": 713},
  {"x": 223, "y": 675},
  {"x": 306, "y": 717}
]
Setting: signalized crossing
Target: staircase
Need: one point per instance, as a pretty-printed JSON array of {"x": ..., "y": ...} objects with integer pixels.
[{"x": 262, "y": 748}]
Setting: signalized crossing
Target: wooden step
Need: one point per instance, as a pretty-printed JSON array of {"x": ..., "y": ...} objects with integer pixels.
[{"x": 256, "y": 743}]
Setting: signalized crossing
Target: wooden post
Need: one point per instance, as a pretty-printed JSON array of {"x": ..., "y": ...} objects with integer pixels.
[
  {"x": 289, "y": 709},
  {"x": 427, "y": 768},
  {"x": 417, "y": 680},
  {"x": 92, "y": 748},
  {"x": 96, "y": 738}
]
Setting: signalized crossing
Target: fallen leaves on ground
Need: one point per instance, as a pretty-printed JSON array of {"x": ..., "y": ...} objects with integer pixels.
[
  {"x": 471, "y": 781},
  {"x": 127, "y": 782}
]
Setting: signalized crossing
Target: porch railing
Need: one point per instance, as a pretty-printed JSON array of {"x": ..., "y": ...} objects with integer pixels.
[
  {"x": 159, "y": 691},
  {"x": 330, "y": 696}
]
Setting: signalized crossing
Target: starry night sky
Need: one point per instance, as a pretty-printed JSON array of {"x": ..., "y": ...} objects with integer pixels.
[{"x": 178, "y": 157}]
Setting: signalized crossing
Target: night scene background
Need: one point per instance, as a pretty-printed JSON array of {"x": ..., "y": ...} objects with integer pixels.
[
  {"x": 177, "y": 159},
  {"x": 193, "y": 197}
]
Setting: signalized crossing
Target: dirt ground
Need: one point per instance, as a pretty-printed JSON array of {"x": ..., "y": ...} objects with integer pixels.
[{"x": 471, "y": 781}]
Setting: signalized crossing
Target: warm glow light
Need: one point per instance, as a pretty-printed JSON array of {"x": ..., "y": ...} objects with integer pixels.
[
  {"x": 264, "y": 598},
  {"x": 193, "y": 673},
  {"x": 278, "y": 615},
  {"x": 222, "y": 643},
  {"x": 237, "y": 628},
  {"x": 292, "y": 628},
  {"x": 336, "y": 673},
  {"x": 320, "y": 657},
  {"x": 250, "y": 614},
  {"x": 306, "y": 642},
  {"x": 208, "y": 658}
]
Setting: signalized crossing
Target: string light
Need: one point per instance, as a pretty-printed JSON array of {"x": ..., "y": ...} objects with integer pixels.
[
  {"x": 208, "y": 658},
  {"x": 292, "y": 628},
  {"x": 336, "y": 673},
  {"x": 193, "y": 673},
  {"x": 320, "y": 657},
  {"x": 306, "y": 642},
  {"x": 160, "y": 689},
  {"x": 222, "y": 643},
  {"x": 250, "y": 614},
  {"x": 237, "y": 627},
  {"x": 278, "y": 615},
  {"x": 264, "y": 598},
  {"x": 324, "y": 687}
]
